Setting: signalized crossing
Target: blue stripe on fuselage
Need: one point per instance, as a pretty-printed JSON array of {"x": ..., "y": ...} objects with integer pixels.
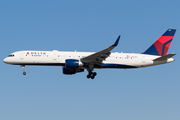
[{"x": 114, "y": 66}]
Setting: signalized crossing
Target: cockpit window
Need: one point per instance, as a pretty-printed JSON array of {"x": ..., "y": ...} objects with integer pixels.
[{"x": 11, "y": 55}]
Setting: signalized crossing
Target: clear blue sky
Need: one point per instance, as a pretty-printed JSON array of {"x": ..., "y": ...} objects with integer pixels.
[{"x": 46, "y": 94}]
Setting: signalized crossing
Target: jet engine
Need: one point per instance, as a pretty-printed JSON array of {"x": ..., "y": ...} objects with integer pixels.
[
  {"x": 72, "y": 66},
  {"x": 71, "y": 71},
  {"x": 73, "y": 63}
]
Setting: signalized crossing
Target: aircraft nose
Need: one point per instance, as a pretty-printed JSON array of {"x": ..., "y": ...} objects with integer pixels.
[{"x": 5, "y": 60}]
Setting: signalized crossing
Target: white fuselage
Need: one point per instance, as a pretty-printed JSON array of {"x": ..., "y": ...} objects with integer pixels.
[
  {"x": 57, "y": 58},
  {"x": 75, "y": 62}
]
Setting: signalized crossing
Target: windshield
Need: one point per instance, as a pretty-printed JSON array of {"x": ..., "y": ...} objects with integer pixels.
[{"x": 11, "y": 55}]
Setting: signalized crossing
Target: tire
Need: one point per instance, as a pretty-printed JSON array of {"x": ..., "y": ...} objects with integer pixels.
[
  {"x": 92, "y": 77},
  {"x": 88, "y": 76},
  {"x": 94, "y": 74}
]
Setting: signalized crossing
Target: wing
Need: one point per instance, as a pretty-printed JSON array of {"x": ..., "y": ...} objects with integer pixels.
[{"x": 98, "y": 57}]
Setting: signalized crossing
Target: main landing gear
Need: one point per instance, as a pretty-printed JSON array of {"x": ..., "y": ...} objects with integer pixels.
[
  {"x": 91, "y": 75},
  {"x": 23, "y": 66},
  {"x": 90, "y": 69}
]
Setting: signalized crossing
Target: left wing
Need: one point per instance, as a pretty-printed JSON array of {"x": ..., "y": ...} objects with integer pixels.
[{"x": 98, "y": 57}]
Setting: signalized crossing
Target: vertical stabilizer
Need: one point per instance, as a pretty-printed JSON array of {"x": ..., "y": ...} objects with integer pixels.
[{"x": 161, "y": 46}]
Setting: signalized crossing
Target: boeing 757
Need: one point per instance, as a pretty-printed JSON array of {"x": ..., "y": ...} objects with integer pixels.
[{"x": 75, "y": 62}]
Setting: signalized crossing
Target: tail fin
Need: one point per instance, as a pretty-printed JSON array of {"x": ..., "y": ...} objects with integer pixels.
[{"x": 161, "y": 46}]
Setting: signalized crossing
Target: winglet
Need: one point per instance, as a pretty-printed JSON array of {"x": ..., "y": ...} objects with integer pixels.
[{"x": 117, "y": 41}]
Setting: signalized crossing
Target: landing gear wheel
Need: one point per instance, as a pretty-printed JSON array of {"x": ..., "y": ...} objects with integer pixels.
[
  {"x": 94, "y": 74},
  {"x": 88, "y": 76},
  {"x": 91, "y": 75},
  {"x": 24, "y": 73}
]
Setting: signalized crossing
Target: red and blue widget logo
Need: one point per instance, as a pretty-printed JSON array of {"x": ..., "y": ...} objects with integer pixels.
[{"x": 161, "y": 46}]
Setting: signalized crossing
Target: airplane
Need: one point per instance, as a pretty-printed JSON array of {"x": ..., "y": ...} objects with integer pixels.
[{"x": 75, "y": 62}]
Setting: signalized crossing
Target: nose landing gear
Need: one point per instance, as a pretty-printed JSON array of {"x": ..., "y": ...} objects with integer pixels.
[
  {"x": 24, "y": 73},
  {"x": 23, "y": 66}
]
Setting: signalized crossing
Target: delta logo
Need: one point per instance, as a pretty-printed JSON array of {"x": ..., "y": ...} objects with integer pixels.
[{"x": 35, "y": 53}]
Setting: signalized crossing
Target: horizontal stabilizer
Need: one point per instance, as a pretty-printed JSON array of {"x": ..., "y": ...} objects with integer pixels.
[{"x": 164, "y": 57}]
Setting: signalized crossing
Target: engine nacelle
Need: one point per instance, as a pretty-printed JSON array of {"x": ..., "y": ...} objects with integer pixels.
[
  {"x": 71, "y": 71},
  {"x": 72, "y": 63}
]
